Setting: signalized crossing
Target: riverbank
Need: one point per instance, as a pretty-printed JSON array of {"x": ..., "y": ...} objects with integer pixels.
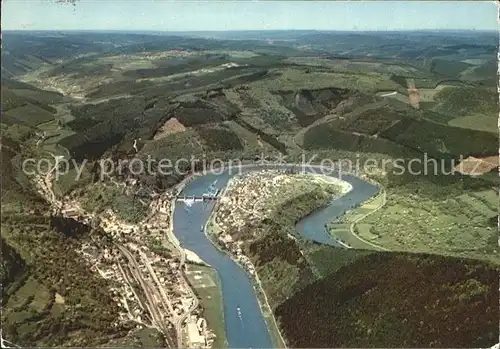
[
  {"x": 345, "y": 187},
  {"x": 346, "y": 231},
  {"x": 192, "y": 257},
  {"x": 170, "y": 232},
  {"x": 272, "y": 325},
  {"x": 207, "y": 287},
  {"x": 258, "y": 315},
  {"x": 213, "y": 230},
  {"x": 265, "y": 307}
]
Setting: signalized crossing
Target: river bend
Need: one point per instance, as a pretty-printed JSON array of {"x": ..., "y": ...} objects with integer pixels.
[{"x": 250, "y": 331}]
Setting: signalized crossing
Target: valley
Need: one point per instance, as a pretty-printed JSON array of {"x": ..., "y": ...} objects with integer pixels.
[{"x": 123, "y": 237}]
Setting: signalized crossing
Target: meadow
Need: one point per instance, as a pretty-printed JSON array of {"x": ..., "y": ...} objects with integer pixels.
[{"x": 206, "y": 284}]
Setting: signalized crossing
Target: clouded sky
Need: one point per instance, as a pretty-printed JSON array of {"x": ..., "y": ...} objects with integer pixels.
[{"x": 243, "y": 15}]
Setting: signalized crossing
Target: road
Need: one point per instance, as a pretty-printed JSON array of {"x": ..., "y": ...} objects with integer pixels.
[
  {"x": 155, "y": 294},
  {"x": 46, "y": 183},
  {"x": 298, "y": 138},
  {"x": 180, "y": 320},
  {"x": 147, "y": 289},
  {"x": 173, "y": 239},
  {"x": 351, "y": 227}
]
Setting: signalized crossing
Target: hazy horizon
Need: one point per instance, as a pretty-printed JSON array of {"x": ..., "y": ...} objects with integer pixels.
[
  {"x": 202, "y": 16},
  {"x": 248, "y": 30}
]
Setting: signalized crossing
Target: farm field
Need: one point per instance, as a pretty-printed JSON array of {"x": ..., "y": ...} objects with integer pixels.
[
  {"x": 391, "y": 284},
  {"x": 30, "y": 114},
  {"x": 476, "y": 122},
  {"x": 456, "y": 225},
  {"x": 341, "y": 229},
  {"x": 207, "y": 287}
]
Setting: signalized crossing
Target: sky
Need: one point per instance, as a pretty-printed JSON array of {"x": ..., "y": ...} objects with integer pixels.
[{"x": 185, "y": 15}]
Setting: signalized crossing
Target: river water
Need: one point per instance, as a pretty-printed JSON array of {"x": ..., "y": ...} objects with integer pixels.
[{"x": 250, "y": 330}]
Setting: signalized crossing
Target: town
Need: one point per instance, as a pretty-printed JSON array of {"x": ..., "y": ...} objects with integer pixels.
[
  {"x": 145, "y": 265},
  {"x": 241, "y": 205}
]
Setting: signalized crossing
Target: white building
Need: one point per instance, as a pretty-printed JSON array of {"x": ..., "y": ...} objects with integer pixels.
[{"x": 195, "y": 339}]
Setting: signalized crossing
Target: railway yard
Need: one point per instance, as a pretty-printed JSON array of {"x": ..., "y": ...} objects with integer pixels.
[{"x": 149, "y": 286}]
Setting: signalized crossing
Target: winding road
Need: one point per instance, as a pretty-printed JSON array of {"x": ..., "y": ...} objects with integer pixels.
[
  {"x": 156, "y": 297},
  {"x": 353, "y": 224}
]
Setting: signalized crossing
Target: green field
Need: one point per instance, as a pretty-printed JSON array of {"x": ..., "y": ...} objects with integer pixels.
[
  {"x": 427, "y": 94},
  {"x": 455, "y": 225},
  {"x": 489, "y": 198},
  {"x": 53, "y": 135},
  {"x": 470, "y": 108},
  {"x": 41, "y": 96},
  {"x": 206, "y": 284},
  {"x": 252, "y": 142},
  {"x": 477, "y": 122},
  {"x": 68, "y": 182},
  {"x": 30, "y": 114},
  {"x": 139, "y": 338},
  {"x": 480, "y": 203},
  {"x": 341, "y": 229}
]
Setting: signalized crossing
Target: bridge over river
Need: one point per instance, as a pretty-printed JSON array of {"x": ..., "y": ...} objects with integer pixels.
[
  {"x": 211, "y": 193},
  {"x": 195, "y": 198}
]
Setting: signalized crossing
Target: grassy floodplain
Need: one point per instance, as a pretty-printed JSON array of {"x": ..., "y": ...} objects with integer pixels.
[
  {"x": 347, "y": 227},
  {"x": 206, "y": 284},
  {"x": 458, "y": 225}
]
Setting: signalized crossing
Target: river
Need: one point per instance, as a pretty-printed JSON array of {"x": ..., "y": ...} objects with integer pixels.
[{"x": 250, "y": 330}]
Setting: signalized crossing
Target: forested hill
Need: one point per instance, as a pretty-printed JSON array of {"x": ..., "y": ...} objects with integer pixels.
[{"x": 397, "y": 300}]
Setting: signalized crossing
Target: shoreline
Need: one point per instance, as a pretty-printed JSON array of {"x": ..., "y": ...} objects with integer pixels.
[
  {"x": 256, "y": 284},
  {"x": 263, "y": 302},
  {"x": 192, "y": 257},
  {"x": 345, "y": 186}
]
